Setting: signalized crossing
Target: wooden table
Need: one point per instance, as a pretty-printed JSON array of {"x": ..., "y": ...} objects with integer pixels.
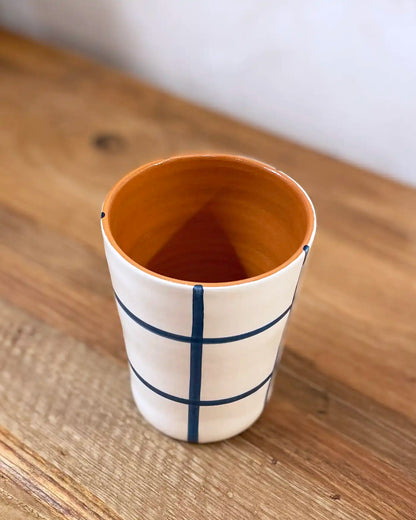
[{"x": 338, "y": 438}]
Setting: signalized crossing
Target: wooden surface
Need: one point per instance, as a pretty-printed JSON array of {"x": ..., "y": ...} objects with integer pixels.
[{"x": 338, "y": 438}]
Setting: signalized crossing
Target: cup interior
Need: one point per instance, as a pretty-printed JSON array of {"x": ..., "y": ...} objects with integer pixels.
[{"x": 208, "y": 219}]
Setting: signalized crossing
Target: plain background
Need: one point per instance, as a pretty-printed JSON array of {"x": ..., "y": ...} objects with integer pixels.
[{"x": 336, "y": 75}]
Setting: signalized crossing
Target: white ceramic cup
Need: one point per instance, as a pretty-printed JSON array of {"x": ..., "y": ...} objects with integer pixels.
[{"x": 205, "y": 254}]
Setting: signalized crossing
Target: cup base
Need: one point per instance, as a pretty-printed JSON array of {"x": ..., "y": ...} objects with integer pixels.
[{"x": 210, "y": 431}]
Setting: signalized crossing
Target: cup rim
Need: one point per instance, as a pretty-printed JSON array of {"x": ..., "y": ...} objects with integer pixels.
[{"x": 303, "y": 196}]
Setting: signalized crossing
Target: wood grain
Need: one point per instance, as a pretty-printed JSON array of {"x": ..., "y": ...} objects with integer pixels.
[
  {"x": 48, "y": 486},
  {"x": 338, "y": 439}
]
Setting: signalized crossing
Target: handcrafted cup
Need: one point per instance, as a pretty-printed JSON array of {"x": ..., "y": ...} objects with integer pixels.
[{"x": 205, "y": 254}]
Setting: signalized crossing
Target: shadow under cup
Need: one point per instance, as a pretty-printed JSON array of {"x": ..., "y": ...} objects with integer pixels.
[{"x": 209, "y": 219}]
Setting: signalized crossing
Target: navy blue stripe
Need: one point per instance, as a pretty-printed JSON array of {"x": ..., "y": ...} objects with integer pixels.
[
  {"x": 280, "y": 346},
  {"x": 306, "y": 249},
  {"x": 214, "y": 402},
  {"x": 151, "y": 328},
  {"x": 195, "y": 370},
  {"x": 205, "y": 341}
]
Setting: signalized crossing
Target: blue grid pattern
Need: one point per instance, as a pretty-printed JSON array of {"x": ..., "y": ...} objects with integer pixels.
[{"x": 196, "y": 342}]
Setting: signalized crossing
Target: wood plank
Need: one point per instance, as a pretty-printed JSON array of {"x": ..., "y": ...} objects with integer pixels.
[
  {"x": 75, "y": 296},
  {"x": 17, "y": 504},
  {"x": 338, "y": 439},
  {"x": 386, "y": 434},
  {"x": 59, "y": 280},
  {"x": 73, "y": 407},
  {"x": 51, "y": 488},
  {"x": 365, "y": 238}
]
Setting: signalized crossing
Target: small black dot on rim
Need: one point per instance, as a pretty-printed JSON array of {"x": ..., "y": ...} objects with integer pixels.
[{"x": 102, "y": 214}]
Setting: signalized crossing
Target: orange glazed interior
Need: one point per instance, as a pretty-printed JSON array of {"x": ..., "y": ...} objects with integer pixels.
[{"x": 213, "y": 219}]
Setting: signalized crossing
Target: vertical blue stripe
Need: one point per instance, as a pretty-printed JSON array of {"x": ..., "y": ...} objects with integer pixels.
[
  {"x": 280, "y": 346},
  {"x": 306, "y": 249},
  {"x": 196, "y": 361}
]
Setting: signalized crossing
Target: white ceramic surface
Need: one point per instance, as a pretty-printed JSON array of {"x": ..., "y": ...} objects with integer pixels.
[{"x": 202, "y": 358}]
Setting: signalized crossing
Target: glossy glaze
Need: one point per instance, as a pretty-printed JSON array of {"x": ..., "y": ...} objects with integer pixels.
[{"x": 202, "y": 349}]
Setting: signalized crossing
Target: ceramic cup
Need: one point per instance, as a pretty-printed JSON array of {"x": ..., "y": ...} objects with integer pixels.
[{"x": 205, "y": 254}]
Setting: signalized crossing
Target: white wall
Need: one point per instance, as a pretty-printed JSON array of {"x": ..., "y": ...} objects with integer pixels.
[{"x": 338, "y": 75}]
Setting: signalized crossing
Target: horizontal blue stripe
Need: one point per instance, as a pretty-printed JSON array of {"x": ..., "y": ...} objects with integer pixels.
[
  {"x": 215, "y": 402},
  {"x": 205, "y": 341}
]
